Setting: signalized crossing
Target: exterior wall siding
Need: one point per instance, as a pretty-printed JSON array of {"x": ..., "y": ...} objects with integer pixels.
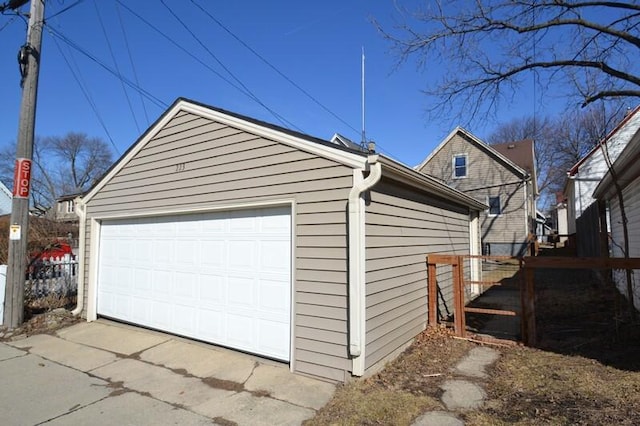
[
  {"x": 487, "y": 177},
  {"x": 631, "y": 196},
  {"x": 402, "y": 227},
  {"x": 194, "y": 163}
]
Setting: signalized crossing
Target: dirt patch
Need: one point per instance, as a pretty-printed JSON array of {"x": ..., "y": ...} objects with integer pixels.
[
  {"x": 223, "y": 384},
  {"x": 224, "y": 422},
  {"x": 42, "y": 323}
]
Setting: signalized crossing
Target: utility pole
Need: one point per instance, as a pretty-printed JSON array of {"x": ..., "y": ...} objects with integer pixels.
[{"x": 29, "y": 61}]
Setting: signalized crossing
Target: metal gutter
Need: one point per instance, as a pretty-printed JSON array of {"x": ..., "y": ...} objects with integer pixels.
[
  {"x": 82, "y": 214},
  {"x": 357, "y": 261}
]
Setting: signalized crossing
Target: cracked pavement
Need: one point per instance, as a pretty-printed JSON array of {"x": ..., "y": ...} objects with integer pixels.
[{"x": 108, "y": 373}]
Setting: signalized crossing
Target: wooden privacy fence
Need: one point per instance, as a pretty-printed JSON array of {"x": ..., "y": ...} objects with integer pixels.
[
  {"x": 526, "y": 280},
  {"x": 461, "y": 280}
]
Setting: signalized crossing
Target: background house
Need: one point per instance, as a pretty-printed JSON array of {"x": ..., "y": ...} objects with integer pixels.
[
  {"x": 559, "y": 218},
  {"x": 582, "y": 211},
  {"x": 65, "y": 208},
  {"x": 627, "y": 171},
  {"x": 237, "y": 232},
  {"x": 507, "y": 186},
  {"x": 6, "y": 199}
]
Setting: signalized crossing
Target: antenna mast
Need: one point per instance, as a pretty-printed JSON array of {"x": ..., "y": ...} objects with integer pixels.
[{"x": 363, "y": 142}]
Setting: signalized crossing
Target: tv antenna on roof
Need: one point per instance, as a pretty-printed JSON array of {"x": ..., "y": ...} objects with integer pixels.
[{"x": 363, "y": 142}]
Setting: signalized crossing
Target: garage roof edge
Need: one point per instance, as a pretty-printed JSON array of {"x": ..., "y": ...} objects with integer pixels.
[
  {"x": 320, "y": 147},
  {"x": 426, "y": 182}
]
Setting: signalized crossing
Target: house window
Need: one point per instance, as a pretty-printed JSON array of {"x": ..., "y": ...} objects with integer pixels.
[
  {"x": 460, "y": 166},
  {"x": 70, "y": 206},
  {"x": 494, "y": 206}
]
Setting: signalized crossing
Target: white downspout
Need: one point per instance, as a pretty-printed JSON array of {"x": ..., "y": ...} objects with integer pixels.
[
  {"x": 82, "y": 214},
  {"x": 357, "y": 266}
]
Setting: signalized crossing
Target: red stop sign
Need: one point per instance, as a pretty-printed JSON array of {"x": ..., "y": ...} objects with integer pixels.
[{"x": 22, "y": 178}]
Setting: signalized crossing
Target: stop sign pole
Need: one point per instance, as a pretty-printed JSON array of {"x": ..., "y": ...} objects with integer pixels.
[{"x": 29, "y": 61}]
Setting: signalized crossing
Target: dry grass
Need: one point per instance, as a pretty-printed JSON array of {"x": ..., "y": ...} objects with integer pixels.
[
  {"x": 405, "y": 389},
  {"x": 362, "y": 403},
  {"x": 585, "y": 372},
  {"x": 533, "y": 387}
]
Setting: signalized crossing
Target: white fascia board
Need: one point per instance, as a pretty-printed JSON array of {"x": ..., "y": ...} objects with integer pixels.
[
  {"x": 342, "y": 157},
  {"x": 194, "y": 210},
  {"x": 626, "y": 166}
]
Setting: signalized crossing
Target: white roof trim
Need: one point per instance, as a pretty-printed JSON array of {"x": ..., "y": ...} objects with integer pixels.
[
  {"x": 342, "y": 157},
  {"x": 4, "y": 189},
  {"x": 477, "y": 141},
  {"x": 626, "y": 168}
]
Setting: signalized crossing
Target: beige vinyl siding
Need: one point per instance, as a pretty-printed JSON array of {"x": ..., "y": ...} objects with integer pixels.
[
  {"x": 402, "y": 227},
  {"x": 194, "y": 163},
  {"x": 631, "y": 196},
  {"x": 486, "y": 176}
]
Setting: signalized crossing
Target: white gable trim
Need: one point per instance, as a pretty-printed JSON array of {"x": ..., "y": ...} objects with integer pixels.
[
  {"x": 342, "y": 157},
  {"x": 476, "y": 141}
]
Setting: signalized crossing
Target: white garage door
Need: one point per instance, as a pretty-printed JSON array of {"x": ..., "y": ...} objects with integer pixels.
[{"x": 219, "y": 277}]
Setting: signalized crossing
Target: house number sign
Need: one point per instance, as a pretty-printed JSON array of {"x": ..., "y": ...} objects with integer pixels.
[{"x": 22, "y": 178}]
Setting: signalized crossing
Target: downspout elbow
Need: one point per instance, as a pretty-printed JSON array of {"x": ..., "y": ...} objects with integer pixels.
[
  {"x": 82, "y": 214},
  {"x": 357, "y": 257}
]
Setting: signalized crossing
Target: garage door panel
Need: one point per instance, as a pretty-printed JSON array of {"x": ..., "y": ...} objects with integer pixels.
[
  {"x": 211, "y": 290},
  {"x": 274, "y": 256},
  {"x": 212, "y": 324},
  {"x": 221, "y": 277},
  {"x": 186, "y": 253},
  {"x": 241, "y": 255},
  {"x": 142, "y": 282},
  {"x": 142, "y": 313},
  {"x": 185, "y": 319},
  {"x": 274, "y": 297},
  {"x": 272, "y": 338},
  {"x": 161, "y": 314},
  {"x": 212, "y": 254},
  {"x": 240, "y": 331}
]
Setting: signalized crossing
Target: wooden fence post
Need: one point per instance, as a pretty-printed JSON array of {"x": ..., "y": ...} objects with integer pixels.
[
  {"x": 458, "y": 304},
  {"x": 528, "y": 307},
  {"x": 432, "y": 293}
]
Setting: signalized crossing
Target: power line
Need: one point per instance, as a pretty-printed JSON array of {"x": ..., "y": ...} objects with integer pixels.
[
  {"x": 279, "y": 117},
  {"x": 273, "y": 67},
  {"x": 7, "y": 23},
  {"x": 187, "y": 52},
  {"x": 115, "y": 63},
  {"x": 133, "y": 67},
  {"x": 64, "y": 10},
  {"x": 159, "y": 103},
  {"x": 84, "y": 91}
]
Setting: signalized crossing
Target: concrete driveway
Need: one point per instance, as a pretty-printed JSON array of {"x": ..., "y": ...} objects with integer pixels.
[{"x": 108, "y": 373}]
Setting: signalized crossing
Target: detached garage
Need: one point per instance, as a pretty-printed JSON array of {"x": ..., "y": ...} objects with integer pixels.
[{"x": 235, "y": 232}]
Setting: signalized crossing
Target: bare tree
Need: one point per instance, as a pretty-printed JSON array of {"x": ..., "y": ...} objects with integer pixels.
[
  {"x": 560, "y": 142},
  {"x": 62, "y": 165},
  {"x": 542, "y": 130},
  {"x": 486, "y": 49}
]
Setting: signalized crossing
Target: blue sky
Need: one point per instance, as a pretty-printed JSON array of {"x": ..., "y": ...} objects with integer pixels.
[{"x": 316, "y": 44}]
